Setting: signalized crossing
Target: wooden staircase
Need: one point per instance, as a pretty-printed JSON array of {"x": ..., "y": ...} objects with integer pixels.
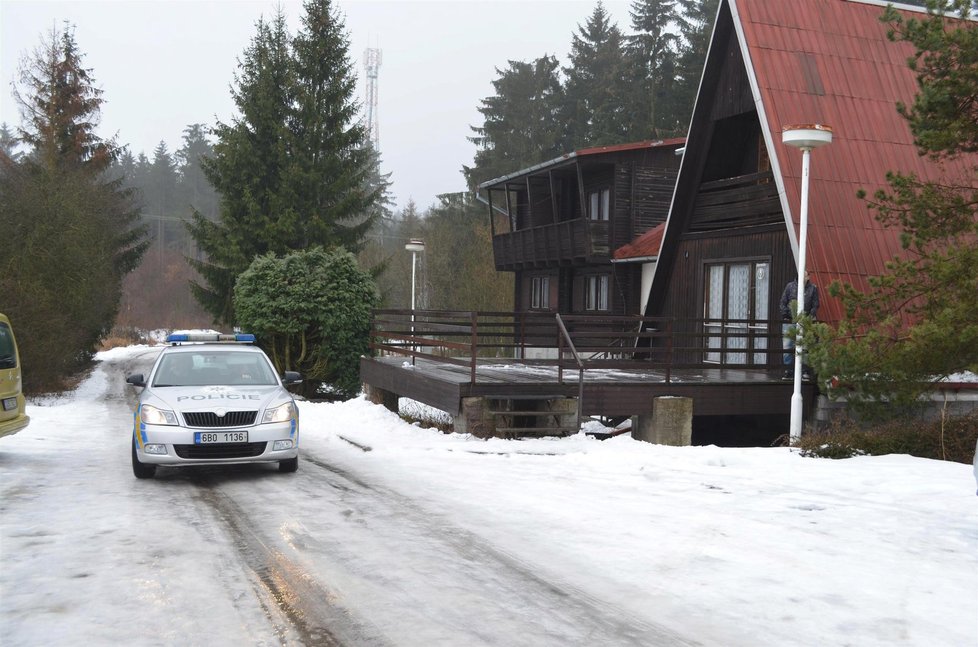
[{"x": 533, "y": 416}]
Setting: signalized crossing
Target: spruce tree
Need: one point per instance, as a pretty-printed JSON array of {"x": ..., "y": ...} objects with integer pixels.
[
  {"x": 70, "y": 232},
  {"x": 332, "y": 164},
  {"x": 250, "y": 160},
  {"x": 292, "y": 169},
  {"x": 595, "y": 83},
  {"x": 522, "y": 120},
  {"x": 652, "y": 54},
  {"x": 196, "y": 192}
]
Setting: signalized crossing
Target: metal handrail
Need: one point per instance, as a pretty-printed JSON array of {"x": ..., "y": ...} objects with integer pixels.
[
  {"x": 447, "y": 336},
  {"x": 564, "y": 335}
]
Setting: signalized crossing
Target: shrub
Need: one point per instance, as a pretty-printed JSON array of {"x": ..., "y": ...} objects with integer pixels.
[
  {"x": 311, "y": 311},
  {"x": 952, "y": 440}
]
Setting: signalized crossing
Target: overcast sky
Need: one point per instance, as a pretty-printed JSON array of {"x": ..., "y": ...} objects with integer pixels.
[{"x": 165, "y": 64}]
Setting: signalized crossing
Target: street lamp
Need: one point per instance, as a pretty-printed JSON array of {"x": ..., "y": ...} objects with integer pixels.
[
  {"x": 806, "y": 137},
  {"x": 415, "y": 246}
]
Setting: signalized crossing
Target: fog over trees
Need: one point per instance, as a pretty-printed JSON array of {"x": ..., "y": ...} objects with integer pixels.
[{"x": 293, "y": 169}]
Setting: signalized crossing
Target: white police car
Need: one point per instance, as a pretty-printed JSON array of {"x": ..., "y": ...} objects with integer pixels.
[{"x": 213, "y": 399}]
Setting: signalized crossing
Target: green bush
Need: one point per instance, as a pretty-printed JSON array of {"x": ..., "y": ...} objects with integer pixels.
[
  {"x": 951, "y": 440},
  {"x": 311, "y": 311}
]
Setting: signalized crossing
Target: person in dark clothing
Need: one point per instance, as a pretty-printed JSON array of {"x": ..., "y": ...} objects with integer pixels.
[{"x": 788, "y": 307}]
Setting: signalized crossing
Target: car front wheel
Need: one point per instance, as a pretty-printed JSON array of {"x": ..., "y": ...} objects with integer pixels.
[
  {"x": 289, "y": 465},
  {"x": 141, "y": 470}
]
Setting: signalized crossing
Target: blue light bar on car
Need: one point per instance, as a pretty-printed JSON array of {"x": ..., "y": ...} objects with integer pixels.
[{"x": 238, "y": 338}]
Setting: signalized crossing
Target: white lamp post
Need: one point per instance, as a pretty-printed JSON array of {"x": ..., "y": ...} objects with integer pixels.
[
  {"x": 806, "y": 137},
  {"x": 415, "y": 246}
]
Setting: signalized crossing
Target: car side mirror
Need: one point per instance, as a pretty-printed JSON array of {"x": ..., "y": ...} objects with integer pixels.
[
  {"x": 136, "y": 380},
  {"x": 292, "y": 377}
]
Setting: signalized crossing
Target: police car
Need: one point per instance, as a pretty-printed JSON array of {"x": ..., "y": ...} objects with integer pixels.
[{"x": 214, "y": 399}]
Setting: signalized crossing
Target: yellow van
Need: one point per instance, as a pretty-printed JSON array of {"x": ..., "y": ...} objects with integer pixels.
[{"x": 12, "y": 416}]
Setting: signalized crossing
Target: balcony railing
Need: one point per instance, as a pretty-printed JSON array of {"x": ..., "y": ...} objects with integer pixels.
[
  {"x": 549, "y": 244},
  {"x": 598, "y": 341}
]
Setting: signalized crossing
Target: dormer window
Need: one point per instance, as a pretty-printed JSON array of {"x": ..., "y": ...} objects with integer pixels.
[{"x": 600, "y": 204}]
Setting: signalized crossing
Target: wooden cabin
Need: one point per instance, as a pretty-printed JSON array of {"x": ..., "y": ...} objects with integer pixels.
[
  {"x": 713, "y": 233},
  {"x": 731, "y": 241},
  {"x": 558, "y": 225}
]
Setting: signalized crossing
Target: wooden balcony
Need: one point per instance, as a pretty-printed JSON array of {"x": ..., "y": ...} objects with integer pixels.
[
  {"x": 737, "y": 202},
  {"x": 551, "y": 245}
]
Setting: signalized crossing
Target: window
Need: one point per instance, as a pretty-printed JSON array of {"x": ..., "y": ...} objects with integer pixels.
[
  {"x": 600, "y": 204},
  {"x": 596, "y": 296},
  {"x": 735, "y": 307},
  {"x": 8, "y": 354},
  {"x": 540, "y": 293}
]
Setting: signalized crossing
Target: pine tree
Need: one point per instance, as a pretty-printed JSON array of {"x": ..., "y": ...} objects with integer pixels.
[
  {"x": 196, "y": 192},
  {"x": 8, "y": 143},
  {"x": 250, "y": 158},
  {"x": 916, "y": 323},
  {"x": 595, "y": 84},
  {"x": 70, "y": 234},
  {"x": 652, "y": 54},
  {"x": 459, "y": 271},
  {"x": 332, "y": 161},
  {"x": 293, "y": 169},
  {"x": 522, "y": 120}
]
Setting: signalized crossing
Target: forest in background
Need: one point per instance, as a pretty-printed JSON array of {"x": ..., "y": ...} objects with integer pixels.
[{"x": 616, "y": 87}]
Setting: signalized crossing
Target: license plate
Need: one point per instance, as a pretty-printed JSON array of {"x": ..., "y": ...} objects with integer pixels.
[
  {"x": 9, "y": 404},
  {"x": 209, "y": 437}
]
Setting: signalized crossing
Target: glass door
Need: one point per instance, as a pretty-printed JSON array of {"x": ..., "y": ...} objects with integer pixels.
[{"x": 735, "y": 311}]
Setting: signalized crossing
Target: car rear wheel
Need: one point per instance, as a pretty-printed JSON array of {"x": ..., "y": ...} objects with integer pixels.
[
  {"x": 289, "y": 465},
  {"x": 141, "y": 470}
]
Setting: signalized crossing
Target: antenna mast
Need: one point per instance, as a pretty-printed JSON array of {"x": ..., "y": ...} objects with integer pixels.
[{"x": 371, "y": 63}]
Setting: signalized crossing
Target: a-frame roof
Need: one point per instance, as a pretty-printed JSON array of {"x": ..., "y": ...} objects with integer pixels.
[{"x": 826, "y": 62}]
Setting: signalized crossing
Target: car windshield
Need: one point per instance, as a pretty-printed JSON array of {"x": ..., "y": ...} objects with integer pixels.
[{"x": 213, "y": 368}]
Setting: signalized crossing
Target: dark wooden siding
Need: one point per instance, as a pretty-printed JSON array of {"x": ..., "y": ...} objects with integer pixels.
[
  {"x": 684, "y": 296},
  {"x": 742, "y": 201},
  {"x": 653, "y": 192},
  {"x": 626, "y": 283},
  {"x": 733, "y": 96}
]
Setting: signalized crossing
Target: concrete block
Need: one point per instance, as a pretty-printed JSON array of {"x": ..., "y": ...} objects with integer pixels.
[
  {"x": 671, "y": 422},
  {"x": 382, "y": 397},
  {"x": 475, "y": 418}
]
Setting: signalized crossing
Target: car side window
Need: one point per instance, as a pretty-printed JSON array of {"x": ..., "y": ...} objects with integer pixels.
[{"x": 8, "y": 358}]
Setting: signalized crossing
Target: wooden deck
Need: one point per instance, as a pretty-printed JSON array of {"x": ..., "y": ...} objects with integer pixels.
[
  {"x": 613, "y": 392},
  {"x": 615, "y": 366}
]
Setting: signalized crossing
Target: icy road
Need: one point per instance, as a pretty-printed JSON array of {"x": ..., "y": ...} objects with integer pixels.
[{"x": 393, "y": 535}]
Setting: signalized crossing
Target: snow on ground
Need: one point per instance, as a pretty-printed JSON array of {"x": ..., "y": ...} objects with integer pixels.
[
  {"x": 865, "y": 551},
  {"x": 755, "y": 546}
]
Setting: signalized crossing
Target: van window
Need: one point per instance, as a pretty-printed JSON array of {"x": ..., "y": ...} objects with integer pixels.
[{"x": 8, "y": 356}]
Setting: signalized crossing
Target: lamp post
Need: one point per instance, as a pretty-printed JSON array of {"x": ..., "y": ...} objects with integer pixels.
[
  {"x": 415, "y": 246},
  {"x": 806, "y": 137}
]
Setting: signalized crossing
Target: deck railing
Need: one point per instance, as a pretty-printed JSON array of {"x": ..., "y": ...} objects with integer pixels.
[{"x": 576, "y": 342}]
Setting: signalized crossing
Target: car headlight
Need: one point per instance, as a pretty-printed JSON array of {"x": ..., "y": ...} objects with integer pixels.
[
  {"x": 154, "y": 416},
  {"x": 281, "y": 413}
]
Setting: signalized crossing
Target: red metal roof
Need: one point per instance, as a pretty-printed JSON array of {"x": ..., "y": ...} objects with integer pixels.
[
  {"x": 675, "y": 141},
  {"x": 645, "y": 246},
  {"x": 830, "y": 62},
  {"x": 567, "y": 158}
]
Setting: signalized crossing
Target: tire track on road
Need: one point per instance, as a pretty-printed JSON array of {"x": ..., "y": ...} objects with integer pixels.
[
  {"x": 594, "y": 621},
  {"x": 306, "y": 604}
]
